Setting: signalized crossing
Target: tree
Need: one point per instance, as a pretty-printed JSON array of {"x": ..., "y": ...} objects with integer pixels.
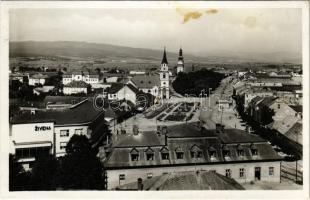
[
  {"x": 44, "y": 173},
  {"x": 18, "y": 178},
  {"x": 80, "y": 168}
]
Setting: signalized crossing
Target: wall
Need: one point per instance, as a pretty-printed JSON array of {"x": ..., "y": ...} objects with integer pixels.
[
  {"x": 59, "y": 139},
  {"x": 32, "y": 132},
  {"x": 70, "y": 90},
  {"x": 131, "y": 175},
  {"x": 36, "y": 81},
  {"x": 124, "y": 93}
]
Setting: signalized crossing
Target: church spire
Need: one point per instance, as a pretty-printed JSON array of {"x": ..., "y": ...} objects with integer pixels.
[
  {"x": 164, "y": 61},
  {"x": 181, "y": 54}
]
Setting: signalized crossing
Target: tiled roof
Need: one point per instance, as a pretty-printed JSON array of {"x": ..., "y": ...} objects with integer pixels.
[
  {"x": 82, "y": 113},
  {"x": 297, "y": 108},
  {"x": 230, "y": 136},
  {"x": 120, "y": 156},
  {"x": 268, "y": 101},
  {"x": 295, "y": 133},
  {"x": 146, "y": 81},
  {"x": 39, "y": 76},
  {"x": 115, "y": 87},
  {"x": 282, "y": 126},
  {"x": 77, "y": 84}
]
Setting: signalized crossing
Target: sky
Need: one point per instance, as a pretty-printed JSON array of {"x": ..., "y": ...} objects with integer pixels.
[{"x": 199, "y": 32}]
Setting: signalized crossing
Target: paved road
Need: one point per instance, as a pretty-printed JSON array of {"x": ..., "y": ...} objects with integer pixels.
[{"x": 212, "y": 114}]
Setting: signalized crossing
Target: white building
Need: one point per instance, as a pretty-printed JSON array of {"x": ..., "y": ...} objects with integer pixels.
[
  {"x": 80, "y": 76},
  {"x": 180, "y": 65},
  {"x": 48, "y": 132},
  {"x": 147, "y": 83},
  {"x": 119, "y": 92},
  {"x": 37, "y": 79},
  {"x": 164, "y": 78},
  {"x": 187, "y": 147},
  {"x": 76, "y": 87}
]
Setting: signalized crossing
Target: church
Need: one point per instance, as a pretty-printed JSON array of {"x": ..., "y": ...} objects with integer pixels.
[{"x": 158, "y": 84}]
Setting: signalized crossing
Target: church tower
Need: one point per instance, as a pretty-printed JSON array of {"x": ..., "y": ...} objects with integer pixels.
[
  {"x": 164, "y": 77},
  {"x": 180, "y": 65}
]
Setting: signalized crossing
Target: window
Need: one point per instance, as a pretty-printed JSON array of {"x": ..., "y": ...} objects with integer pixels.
[
  {"x": 134, "y": 157},
  {"x": 149, "y": 91},
  {"x": 180, "y": 155},
  {"x": 228, "y": 173},
  {"x": 279, "y": 106},
  {"x": 212, "y": 154},
  {"x": 149, "y": 175},
  {"x": 78, "y": 131},
  {"x": 254, "y": 152},
  {"x": 164, "y": 75},
  {"x": 240, "y": 152},
  {"x": 122, "y": 177},
  {"x": 271, "y": 171},
  {"x": 64, "y": 133},
  {"x": 165, "y": 156},
  {"x": 213, "y": 170},
  {"x": 150, "y": 156},
  {"x": 196, "y": 154},
  {"x": 63, "y": 145},
  {"x": 241, "y": 172}
]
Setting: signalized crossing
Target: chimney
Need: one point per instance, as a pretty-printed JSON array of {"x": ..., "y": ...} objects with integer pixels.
[
  {"x": 135, "y": 129},
  {"x": 140, "y": 184}
]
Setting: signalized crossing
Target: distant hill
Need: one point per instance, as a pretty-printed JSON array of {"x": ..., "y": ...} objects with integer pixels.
[
  {"x": 84, "y": 50},
  {"x": 111, "y": 53}
]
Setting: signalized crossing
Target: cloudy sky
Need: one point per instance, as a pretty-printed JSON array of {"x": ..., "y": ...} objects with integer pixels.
[{"x": 198, "y": 31}]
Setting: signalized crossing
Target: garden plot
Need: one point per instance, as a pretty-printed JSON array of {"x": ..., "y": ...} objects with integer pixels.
[{"x": 181, "y": 112}]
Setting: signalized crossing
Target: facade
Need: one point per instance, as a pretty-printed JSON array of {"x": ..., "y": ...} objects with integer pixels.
[
  {"x": 37, "y": 79},
  {"x": 44, "y": 132},
  {"x": 80, "y": 76},
  {"x": 119, "y": 91},
  {"x": 180, "y": 65},
  {"x": 188, "y": 147},
  {"x": 147, "y": 83},
  {"x": 75, "y": 87},
  {"x": 164, "y": 78}
]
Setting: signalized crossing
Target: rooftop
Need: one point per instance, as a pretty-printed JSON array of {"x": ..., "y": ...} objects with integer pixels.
[
  {"x": 146, "y": 81},
  {"x": 61, "y": 117},
  {"x": 77, "y": 84}
]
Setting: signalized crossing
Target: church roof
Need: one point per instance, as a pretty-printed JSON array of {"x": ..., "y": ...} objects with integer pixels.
[{"x": 164, "y": 61}]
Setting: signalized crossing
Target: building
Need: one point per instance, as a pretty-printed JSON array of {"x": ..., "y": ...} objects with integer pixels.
[
  {"x": 180, "y": 65},
  {"x": 188, "y": 147},
  {"x": 76, "y": 87},
  {"x": 87, "y": 77},
  {"x": 147, "y": 83},
  {"x": 48, "y": 131},
  {"x": 37, "y": 79},
  {"x": 164, "y": 78},
  {"x": 119, "y": 91},
  {"x": 195, "y": 180}
]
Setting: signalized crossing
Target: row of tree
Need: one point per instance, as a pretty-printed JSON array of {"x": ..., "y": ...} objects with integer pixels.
[{"x": 79, "y": 169}]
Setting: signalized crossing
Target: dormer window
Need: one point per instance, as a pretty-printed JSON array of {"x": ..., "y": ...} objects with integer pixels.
[
  {"x": 226, "y": 152},
  {"x": 149, "y": 154},
  {"x": 179, "y": 153},
  {"x": 212, "y": 152},
  {"x": 254, "y": 150},
  {"x": 134, "y": 155},
  {"x": 195, "y": 152},
  {"x": 164, "y": 153},
  {"x": 240, "y": 151}
]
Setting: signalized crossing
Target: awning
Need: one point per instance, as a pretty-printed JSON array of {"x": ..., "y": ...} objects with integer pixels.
[{"x": 33, "y": 144}]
